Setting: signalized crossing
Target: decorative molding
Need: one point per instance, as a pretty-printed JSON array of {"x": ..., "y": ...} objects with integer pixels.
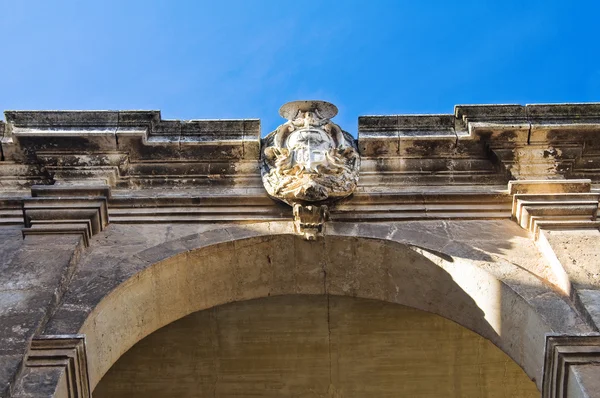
[
  {"x": 255, "y": 205},
  {"x": 139, "y": 207},
  {"x": 66, "y": 209},
  {"x": 562, "y": 204},
  {"x": 64, "y": 352},
  {"x": 435, "y": 205},
  {"x": 11, "y": 211},
  {"x": 563, "y": 352},
  {"x": 537, "y": 141},
  {"x": 127, "y": 149},
  {"x": 573, "y": 211},
  {"x": 476, "y": 145},
  {"x": 549, "y": 186},
  {"x": 482, "y": 144}
]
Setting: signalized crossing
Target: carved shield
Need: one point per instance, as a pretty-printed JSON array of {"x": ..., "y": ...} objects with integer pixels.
[{"x": 309, "y": 158}]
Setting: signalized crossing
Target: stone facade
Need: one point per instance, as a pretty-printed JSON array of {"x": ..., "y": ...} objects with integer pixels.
[{"x": 115, "y": 224}]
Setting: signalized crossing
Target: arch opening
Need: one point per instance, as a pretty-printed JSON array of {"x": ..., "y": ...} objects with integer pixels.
[
  {"x": 314, "y": 346},
  {"x": 269, "y": 265}
]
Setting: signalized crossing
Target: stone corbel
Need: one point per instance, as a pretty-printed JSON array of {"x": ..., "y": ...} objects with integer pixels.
[
  {"x": 567, "y": 359},
  {"x": 81, "y": 210},
  {"x": 554, "y": 204},
  {"x": 58, "y": 355},
  {"x": 309, "y": 220},
  {"x": 552, "y": 211}
]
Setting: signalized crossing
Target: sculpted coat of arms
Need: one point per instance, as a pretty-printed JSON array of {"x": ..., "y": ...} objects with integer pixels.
[{"x": 309, "y": 161}]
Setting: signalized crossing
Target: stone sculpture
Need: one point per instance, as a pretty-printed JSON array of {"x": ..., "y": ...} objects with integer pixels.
[{"x": 309, "y": 160}]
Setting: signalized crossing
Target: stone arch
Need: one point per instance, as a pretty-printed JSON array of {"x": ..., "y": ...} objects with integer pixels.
[{"x": 497, "y": 299}]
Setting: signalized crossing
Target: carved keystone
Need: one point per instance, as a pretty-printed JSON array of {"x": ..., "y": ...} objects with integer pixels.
[
  {"x": 556, "y": 204},
  {"x": 66, "y": 210},
  {"x": 309, "y": 220},
  {"x": 563, "y": 353},
  {"x": 63, "y": 353}
]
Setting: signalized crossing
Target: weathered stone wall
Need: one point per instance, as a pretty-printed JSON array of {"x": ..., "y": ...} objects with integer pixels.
[
  {"x": 34, "y": 275},
  {"x": 114, "y": 224}
]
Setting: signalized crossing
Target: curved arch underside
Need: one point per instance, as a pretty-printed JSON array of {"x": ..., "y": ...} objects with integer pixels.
[{"x": 314, "y": 346}]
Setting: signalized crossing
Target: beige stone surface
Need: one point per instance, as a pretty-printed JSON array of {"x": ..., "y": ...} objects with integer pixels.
[
  {"x": 314, "y": 346},
  {"x": 184, "y": 224},
  {"x": 577, "y": 254},
  {"x": 34, "y": 274}
]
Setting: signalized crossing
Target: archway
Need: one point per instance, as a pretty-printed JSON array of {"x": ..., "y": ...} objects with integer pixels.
[{"x": 499, "y": 301}]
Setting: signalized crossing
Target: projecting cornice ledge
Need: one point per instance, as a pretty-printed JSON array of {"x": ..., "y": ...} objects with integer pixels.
[
  {"x": 554, "y": 204},
  {"x": 59, "y": 210},
  {"x": 567, "y": 359},
  {"x": 111, "y": 124},
  {"x": 477, "y": 145},
  {"x": 523, "y": 142},
  {"x": 126, "y": 149}
]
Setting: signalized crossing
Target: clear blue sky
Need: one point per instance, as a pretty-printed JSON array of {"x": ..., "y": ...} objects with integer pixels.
[{"x": 243, "y": 59}]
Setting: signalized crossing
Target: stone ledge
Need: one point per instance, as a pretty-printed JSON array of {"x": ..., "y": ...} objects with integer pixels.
[
  {"x": 549, "y": 186},
  {"x": 526, "y": 142},
  {"x": 66, "y": 210},
  {"x": 531, "y": 211},
  {"x": 510, "y": 115},
  {"x": 398, "y": 206},
  {"x": 406, "y": 125},
  {"x": 555, "y": 204},
  {"x": 141, "y": 134},
  {"x": 65, "y": 353},
  {"x": 245, "y": 205},
  {"x": 67, "y": 123}
]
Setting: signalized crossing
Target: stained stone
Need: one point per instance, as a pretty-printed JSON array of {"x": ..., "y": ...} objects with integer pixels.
[{"x": 115, "y": 224}]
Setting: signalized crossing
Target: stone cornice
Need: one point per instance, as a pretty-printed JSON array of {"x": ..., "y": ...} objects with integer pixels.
[
  {"x": 477, "y": 146},
  {"x": 66, "y": 210},
  {"x": 127, "y": 149},
  {"x": 115, "y": 123},
  {"x": 148, "y": 206},
  {"x": 485, "y": 143},
  {"x": 469, "y": 120},
  {"x": 555, "y": 204}
]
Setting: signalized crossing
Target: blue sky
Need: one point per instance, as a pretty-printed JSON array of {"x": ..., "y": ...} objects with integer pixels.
[{"x": 244, "y": 59}]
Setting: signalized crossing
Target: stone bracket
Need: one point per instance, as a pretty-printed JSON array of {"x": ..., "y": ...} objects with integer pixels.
[
  {"x": 309, "y": 220},
  {"x": 79, "y": 210},
  {"x": 63, "y": 352},
  {"x": 563, "y": 204},
  {"x": 563, "y": 352}
]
